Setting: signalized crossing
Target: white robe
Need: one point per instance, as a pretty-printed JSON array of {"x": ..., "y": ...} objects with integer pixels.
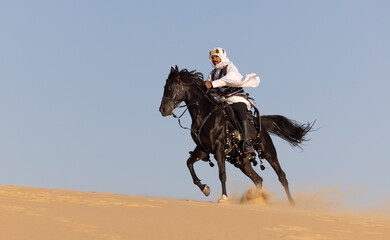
[{"x": 233, "y": 78}]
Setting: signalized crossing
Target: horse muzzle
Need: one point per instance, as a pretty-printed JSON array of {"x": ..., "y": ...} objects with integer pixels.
[{"x": 166, "y": 108}]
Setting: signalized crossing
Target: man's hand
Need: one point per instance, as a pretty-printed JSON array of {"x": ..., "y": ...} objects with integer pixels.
[{"x": 208, "y": 84}]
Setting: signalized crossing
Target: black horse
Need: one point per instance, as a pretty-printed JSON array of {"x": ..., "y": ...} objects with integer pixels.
[{"x": 209, "y": 129}]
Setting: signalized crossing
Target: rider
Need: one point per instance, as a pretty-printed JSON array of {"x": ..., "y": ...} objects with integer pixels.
[{"x": 228, "y": 80}]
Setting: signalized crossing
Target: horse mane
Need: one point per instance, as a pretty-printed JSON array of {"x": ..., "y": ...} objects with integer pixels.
[
  {"x": 192, "y": 76},
  {"x": 197, "y": 79}
]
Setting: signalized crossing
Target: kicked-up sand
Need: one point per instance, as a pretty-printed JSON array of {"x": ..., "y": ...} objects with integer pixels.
[{"x": 38, "y": 214}]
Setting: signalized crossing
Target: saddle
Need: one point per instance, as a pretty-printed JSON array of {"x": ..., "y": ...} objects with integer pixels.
[
  {"x": 233, "y": 133},
  {"x": 233, "y": 136}
]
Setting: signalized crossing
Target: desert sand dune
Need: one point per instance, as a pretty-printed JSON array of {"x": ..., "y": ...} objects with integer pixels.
[{"x": 38, "y": 214}]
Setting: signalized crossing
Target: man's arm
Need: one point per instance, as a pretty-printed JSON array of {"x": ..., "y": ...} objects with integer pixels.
[
  {"x": 232, "y": 78},
  {"x": 208, "y": 81}
]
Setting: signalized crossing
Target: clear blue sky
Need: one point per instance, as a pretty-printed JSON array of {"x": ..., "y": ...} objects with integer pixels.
[{"x": 81, "y": 83}]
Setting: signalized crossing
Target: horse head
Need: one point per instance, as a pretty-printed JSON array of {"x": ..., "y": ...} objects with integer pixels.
[{"x": 174, "y": 92}]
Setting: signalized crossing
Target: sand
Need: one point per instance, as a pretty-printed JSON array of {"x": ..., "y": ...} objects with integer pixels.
[{"x": 38, "y": 214}]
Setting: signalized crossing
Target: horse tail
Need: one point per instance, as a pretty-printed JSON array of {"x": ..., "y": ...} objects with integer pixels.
[{"x": 291, "y": 131}]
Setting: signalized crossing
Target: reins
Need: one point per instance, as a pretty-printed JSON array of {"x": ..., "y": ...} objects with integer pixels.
[
  {"x": 186, "y": 105},
  {"x": 181, "y": 115}
]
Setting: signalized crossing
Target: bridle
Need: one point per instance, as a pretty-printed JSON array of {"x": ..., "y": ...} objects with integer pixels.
[
  {"x": 176, "y": 83},
  {"x": 179, "y": 86}
]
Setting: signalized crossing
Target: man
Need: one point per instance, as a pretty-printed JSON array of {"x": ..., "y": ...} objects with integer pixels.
[{"x": 228, "y": 80}]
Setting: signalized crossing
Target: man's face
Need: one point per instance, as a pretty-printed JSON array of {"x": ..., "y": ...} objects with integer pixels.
[{"x": 215, "y": 59}]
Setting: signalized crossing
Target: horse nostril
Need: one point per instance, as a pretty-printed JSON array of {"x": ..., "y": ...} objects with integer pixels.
[{"x": 162, "y": 109}]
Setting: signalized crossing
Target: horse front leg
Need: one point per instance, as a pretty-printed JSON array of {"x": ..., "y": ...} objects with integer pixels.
[
  {"x": 220, "y": 158},
  {"x": 197, "y": 155}
]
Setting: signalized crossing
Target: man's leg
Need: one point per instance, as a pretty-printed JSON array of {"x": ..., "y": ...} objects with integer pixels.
[{"x": 241, "y": 112}]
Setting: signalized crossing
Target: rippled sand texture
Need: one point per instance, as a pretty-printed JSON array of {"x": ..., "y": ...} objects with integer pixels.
[{"x": 39, "y": 214}]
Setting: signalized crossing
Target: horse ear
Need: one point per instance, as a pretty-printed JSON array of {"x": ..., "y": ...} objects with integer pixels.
[
  {"x": 172, "y": 69},
  {"x": 176, "y": 69}
]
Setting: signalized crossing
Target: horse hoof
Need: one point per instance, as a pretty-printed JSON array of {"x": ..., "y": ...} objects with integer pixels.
[
  {"x": 223, "y": 199},
  {"x": 206, "y": 190}
]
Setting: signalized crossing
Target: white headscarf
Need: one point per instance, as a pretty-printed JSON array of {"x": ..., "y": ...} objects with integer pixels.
[{"x": 220, "y": 52}]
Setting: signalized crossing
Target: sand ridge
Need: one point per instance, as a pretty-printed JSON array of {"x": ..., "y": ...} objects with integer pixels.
[{"x": 37, "y": 213}]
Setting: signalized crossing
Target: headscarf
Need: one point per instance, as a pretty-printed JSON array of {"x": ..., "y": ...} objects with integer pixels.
[{"x": 220, "y": 52}]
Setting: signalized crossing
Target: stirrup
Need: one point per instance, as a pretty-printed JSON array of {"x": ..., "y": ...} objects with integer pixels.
[{"x": 249, "y": 145}]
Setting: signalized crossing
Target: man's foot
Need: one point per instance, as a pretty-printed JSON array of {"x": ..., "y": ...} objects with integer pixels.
[{"x": 247, "y": 147}]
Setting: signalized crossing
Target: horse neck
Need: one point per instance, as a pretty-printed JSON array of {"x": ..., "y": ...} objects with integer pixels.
[{"x": 199, "y": 104}]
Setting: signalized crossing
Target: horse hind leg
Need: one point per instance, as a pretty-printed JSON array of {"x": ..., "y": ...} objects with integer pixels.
[
  {"x": 269, "y": 153},
  {"x": 282, "y": 177},
  {"x": 197, "y": 155}
]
